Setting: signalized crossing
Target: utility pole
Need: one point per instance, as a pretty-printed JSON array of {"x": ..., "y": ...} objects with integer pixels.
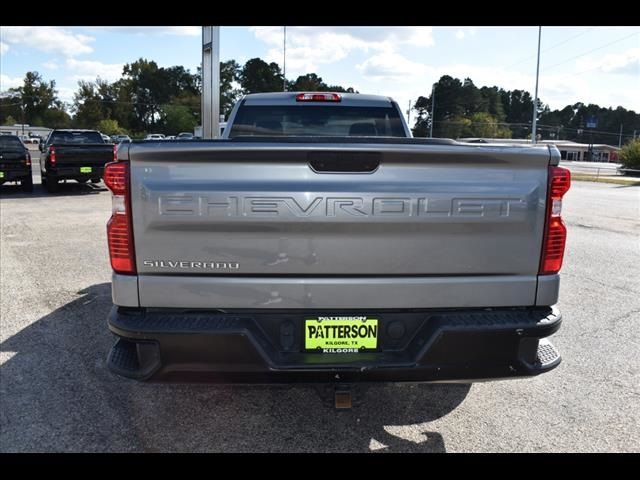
[
  {"x": 535, "y": 101},
  {"x": 620, "y": 137},
  {"x": 210, "y": 112},
  {"x": 433, "y": 108},
  {"x": 284, "y": 60},
  {"x": 409, "y": 115}
]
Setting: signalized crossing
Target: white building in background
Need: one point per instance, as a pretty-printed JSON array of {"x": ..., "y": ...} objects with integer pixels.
[
  {"x": 26, "y": 130},
  {"x": 568, "y": 150}
]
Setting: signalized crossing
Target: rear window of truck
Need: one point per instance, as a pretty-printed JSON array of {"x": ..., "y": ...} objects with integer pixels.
[
  {"x": 10, "y": 142},
  {"x": 332, "y": 121},
  {"x": 75, "y": 137}
]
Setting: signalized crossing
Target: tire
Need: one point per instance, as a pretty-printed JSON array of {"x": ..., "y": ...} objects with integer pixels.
[
  {"x": 95, "y": 180},
  {"x": 51, "y": 185},
  {"x": 27, "y": 185}
]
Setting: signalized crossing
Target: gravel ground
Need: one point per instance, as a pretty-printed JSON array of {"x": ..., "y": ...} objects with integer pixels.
[{"x": 56, "y": 394}]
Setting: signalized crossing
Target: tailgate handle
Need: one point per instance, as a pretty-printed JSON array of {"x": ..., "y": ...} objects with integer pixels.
[{"x": 344, "y": 162}]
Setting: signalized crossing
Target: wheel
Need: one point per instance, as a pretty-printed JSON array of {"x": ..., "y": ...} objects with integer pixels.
[
  {"x": 51, "y": 184},
  {"x": 27, "y": 185},
  {"x": 95, "y": 180}
]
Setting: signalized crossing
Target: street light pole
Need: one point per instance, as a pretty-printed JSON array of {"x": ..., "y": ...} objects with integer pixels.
[
  {"x": 284, "y": 60},
  {"x": 535, "y": 101},
  {"x": 433, "y": 108}
]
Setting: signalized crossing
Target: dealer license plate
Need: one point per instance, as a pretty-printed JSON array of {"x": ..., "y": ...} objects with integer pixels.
[
  {"x": 341, "y": 334},
  {"x": 85, "y": 169}
]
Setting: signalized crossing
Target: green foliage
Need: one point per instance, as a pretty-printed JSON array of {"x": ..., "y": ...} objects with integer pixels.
[
  {"x": 259, "y": 76},
  {"x": 9, "y": 120},
  {"x": 311, "y": 82},
  {"x": 630, "y": 155},
  {"x": 109, "y": 126},
  {"x": 178, "y": 118},
  {"x": 511, "y": 112},
  {"x": 229, "y": 93}
]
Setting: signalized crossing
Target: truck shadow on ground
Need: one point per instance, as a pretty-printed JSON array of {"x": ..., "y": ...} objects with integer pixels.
[
  {"x": 11, "y": 190},
  {"x": 57, "y": 395}
]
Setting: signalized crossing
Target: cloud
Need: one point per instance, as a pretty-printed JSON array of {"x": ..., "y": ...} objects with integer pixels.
[
  {"x": 627, "y": 62},
  {"x": 49, "y": 39},
  {"x": 7, "y": 82},
  {"x": 391, "y": 66},
  {"x": 141, "y": 31},
  {"x": 90, "y": 70},
  {"x": 65, "y": 94},
  {"x": 50, "y": 65},
  {"x": 309, "y": 47},
  {"x": 4, "y": 48}
]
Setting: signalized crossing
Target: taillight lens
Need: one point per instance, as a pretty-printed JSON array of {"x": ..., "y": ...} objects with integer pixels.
[
  {"x": 52, "y": 156},
  {"x": 115, "y": 153},
  {"x": 555, "y": 232},
  {"x": 28, "y": 160},
  {"x": 318, "y": 97},
  {"x": 119, "y": 227}
]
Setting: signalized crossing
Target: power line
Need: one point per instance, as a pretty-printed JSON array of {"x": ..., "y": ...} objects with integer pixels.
[
  {"x": 551, "y": 47},
  {"x": 593, "y": 50}
]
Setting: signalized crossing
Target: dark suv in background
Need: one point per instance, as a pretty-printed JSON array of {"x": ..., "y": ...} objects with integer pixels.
[{"x": 15, "y": 162}]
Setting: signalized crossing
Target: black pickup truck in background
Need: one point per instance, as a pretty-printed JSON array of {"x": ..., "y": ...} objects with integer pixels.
[
  {"x": 73, "y": 155},
  {"x": 15, "y": 162}
]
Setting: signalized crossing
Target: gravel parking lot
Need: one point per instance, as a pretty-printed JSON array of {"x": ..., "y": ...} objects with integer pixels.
[{"x": 57, "y": 395}]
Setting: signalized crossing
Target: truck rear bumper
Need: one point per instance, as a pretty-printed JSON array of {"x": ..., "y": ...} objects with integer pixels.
[
  {"x": 252, "y": 347},
  {"x": 75, "y": 172},
  {"x": 14, "y": 175}
]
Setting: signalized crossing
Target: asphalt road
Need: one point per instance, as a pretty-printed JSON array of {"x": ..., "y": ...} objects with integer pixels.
[{"x": 56, "y": 394}]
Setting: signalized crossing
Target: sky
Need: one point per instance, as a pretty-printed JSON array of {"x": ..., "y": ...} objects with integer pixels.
[{"x": 588, "y": 64}]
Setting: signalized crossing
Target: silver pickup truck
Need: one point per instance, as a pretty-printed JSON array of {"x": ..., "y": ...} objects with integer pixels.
[{"x": 319, "y": 242}]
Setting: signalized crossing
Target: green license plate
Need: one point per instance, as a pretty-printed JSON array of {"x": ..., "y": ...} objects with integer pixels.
[
  {"x": 1, "y": 174},
  {"x": 85, "y": 169},
  {"x": 340, "y": 334}
]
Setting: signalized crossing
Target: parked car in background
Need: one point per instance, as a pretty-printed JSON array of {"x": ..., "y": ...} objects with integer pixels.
[
  {"x": 122, "y": 138},
  {"x": 15, "y": 162},
  {"x": 26, "y": 139},
  {"x": 154, "y": 136},
  {"x": 74, "y": 155},
  {"x": 106, "y": 138},
  {"x": 170, "y": 137},
  {"x": 185, "y": 136}
]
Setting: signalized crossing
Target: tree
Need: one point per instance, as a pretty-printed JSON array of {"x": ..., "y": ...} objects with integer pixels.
[
  {"x": 87, "y": 105},
  {"x": 109, "y": 127},
  {"x": 9, "y": 120},
  {"x": 485, "y": 125},
  {"x": 308, "y": 83},
  {"x": 178, "y": 118},
  {"x": 630, "y": 155},
  {"x": 260, "y": 76},
  {"x": 229, "y": 76},
  {"x": 35, "y": 102}
]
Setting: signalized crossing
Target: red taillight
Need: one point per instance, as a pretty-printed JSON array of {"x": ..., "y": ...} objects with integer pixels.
[
  {"x": 119, "y": 227},
  {"x": 318, "y": 97},
  {"x": 555, "y": 232},
  {"x": 116, "y": 177},
  {"x": 115, "y": 153},
  {"x": 52, "y": 156},
  {"x": 27, "y": 160}
]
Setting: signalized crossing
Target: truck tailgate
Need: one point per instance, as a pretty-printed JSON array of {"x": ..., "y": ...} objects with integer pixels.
[
  {"x": 84, "y": 154},
  {"x": 424, "y": 226}
]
